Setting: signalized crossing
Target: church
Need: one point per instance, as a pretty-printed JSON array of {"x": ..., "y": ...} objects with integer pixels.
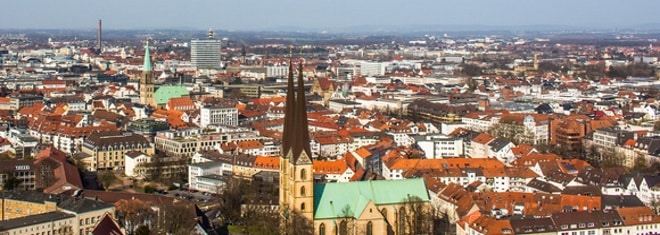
[
  {"x": 365, "y": 207},
  {"x": 154, "y": 97}
]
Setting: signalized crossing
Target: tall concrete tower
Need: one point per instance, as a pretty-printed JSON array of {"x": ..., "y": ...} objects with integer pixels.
[{"x": 99, "y": 37}]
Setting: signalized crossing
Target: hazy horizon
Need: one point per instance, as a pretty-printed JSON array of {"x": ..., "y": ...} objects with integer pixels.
[{"x": 338, "y": 15}]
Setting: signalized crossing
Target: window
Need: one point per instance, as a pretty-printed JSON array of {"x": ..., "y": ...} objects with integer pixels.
[
  {"x": 302, "y": 206},
  {"x": 303, "y": 174},
  {"x": 343, "y": 228},
  {"x": 302, "y": 191},
  {"x": 401, "y": 221},
  {"x": 322, "y": 229},
  {"x": 370, "y": 230}
]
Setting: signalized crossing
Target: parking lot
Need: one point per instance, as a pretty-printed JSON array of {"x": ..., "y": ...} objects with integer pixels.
[{"x": 190, "y": 195}]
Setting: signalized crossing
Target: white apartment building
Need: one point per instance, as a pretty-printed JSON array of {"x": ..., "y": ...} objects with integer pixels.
[
  {"x": 277, "y": 70},
  {"x": 440, "y": 146},
  {"x": 218, "y": 115},
  {"x": 187, "y": 142},
  {"x": 200, "y": 175},
  {"x": 372, "y": 68}
]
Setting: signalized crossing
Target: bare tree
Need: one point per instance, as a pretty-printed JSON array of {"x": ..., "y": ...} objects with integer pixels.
[
  {"x": 346, "y": 221},
  {"x": 176, "y": 218},
  {"x": 107, "y": 178},
  {"x": 416, "y": 216},
  {"x": 262, "y": 218},
  {"x": 515, "y": 133},
  {"x": 295, "y": 223},
  {"x": 609, "y": 157},
  {"x": 133, "y": 213}
]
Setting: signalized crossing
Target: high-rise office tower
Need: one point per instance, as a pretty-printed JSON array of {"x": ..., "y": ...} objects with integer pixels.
[{"x": 205, "y": 53}]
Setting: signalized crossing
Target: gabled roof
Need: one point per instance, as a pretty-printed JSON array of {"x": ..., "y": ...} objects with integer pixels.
[
  {"x": 269, "y": 163},
  {"x": 331, "y": 199},
  {"x": 83, "y": 205},
  {"x": 498, "y": 143},
  {"x": 543, "y": 186},
  {"x": 165, "y": 93},
  {"x": 114, "y": 197},
  {"x": 330, "y": 167},
  {"x": 638, "y": 215},
  {"x": 483, "y": 138},
  {"x": 107, "y": 226},
  {"x": 33, "y": 219}
]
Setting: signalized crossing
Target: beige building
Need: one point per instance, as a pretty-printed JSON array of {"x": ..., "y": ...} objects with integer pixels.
[
  {"x": 106, "y": 151},
  {"x": 29, "y": 212},
  {"x": 185, "y": 143},
  {"x": 54, "y": 222}
]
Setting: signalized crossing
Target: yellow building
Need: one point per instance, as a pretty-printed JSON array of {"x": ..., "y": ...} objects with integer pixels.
[
  {"x": 17, "y": 204},
  {"x": 30, "y": 212},
  {"x": 106, "y": 151}
]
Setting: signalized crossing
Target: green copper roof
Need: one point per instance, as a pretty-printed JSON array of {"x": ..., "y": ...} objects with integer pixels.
[
  {"x": 165, "y": 93},
  {"x": 331, "y": 199},
  {"x": 147, "y": 59}
]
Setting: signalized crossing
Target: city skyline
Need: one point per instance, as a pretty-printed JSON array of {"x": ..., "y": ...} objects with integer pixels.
[{"x": 340, "y": 15}]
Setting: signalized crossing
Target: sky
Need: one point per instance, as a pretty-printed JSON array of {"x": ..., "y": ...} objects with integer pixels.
[{"x": 245, "y": 15}]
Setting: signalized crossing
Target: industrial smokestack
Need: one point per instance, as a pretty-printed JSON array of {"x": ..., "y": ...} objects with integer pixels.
[{"x": 98, "y": 37}]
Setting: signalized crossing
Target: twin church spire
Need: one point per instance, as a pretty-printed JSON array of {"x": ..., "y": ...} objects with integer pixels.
[{"x": 295, "y": 137}]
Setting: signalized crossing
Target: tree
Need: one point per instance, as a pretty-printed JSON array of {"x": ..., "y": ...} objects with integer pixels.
[
  {"x": 546, "y": 66},
  {"x": 142, "y": 230},
  {"x": 176, "y": 218},
  {"x": 346, "y": 221},
  {"x": 631, "y": 70},
  {"x": 11, "y": 182},
  {"x": 656, "y": 126},
  {"x": 594, "y": 71},
  {"x": 230, "y": 199},
  {"x": 296, "y": 223},
  {"x": 472, "y": 70},
  {"x": 609, "y": 157},
  {"x": 236, "y": 80},
  {"x": 235, "y": 93},
  {"x": 472, "y": 84},
  {"x": 416, "y": 216},
  {"x": 260, "y": 218},
  {"x": 641, "y": 165},
  {"x": 515, "y": 133},
  {"x": 156, "y": 166},
  {"x": 132, "y": 214},
  {"x": 107, "y": 178}
]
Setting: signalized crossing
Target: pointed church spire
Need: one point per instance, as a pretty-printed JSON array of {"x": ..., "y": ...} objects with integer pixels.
[
  {"x": 289, "y": 113},
  {"x": 146, "y": 67},
  {"x": 301, "y": 143}
]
